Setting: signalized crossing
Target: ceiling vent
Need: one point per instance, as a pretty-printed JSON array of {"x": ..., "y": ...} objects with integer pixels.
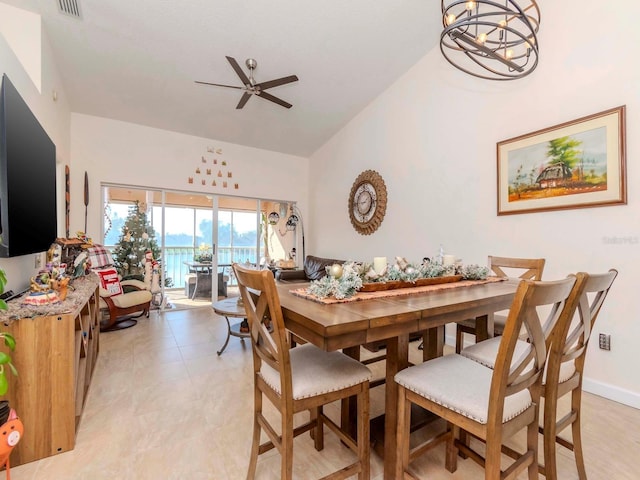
[{"x": 69, "y": 7}]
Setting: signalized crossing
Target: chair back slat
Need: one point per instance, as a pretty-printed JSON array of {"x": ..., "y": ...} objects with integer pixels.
[
  {"x": 569, "y": 342},
  {"x": 532, "y": 267},
  {"x": 266, "y": 323},
  {"x": 268, "y": 350},
  {"x": 512, "y": 375}
]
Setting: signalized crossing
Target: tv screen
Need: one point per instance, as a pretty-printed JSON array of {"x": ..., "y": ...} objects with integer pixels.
[{"x": 27, "y": 178}]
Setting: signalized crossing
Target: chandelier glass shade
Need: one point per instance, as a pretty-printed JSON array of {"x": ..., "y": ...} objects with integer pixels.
[
  {"x": 273, "y": 218},
  {"x": 495, "y": 40},
  {"x": 293, "y": 222}
]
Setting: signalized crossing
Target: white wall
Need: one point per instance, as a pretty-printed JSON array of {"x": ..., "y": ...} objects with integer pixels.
[
  {"x": 432, "y": 136},
  {"x": 117, "y": 152},
  {"x": 54, "y": 116}
]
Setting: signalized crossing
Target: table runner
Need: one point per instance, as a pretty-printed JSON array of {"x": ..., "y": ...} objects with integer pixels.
[{"x": 302, "y": 292}]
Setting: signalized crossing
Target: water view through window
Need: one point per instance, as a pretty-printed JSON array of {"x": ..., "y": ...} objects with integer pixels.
[{"x": 188, "y": 229}]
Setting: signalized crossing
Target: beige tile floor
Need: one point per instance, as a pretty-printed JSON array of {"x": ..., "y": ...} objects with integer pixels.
[{"x": 163, "y": 405}]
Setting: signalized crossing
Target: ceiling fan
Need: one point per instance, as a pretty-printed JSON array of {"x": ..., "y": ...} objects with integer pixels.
[{"x": 251, "y": 87}]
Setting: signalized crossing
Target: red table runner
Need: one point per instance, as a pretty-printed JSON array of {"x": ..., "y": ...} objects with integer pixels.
[{"x": 302, "y": 292}]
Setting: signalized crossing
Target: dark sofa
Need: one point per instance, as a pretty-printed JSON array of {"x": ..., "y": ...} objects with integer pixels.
[{"x": 314, "y": 269}]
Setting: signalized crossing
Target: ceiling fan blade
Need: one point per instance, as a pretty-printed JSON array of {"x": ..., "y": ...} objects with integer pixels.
[
  {"x": 243, "y": 100},
  {"x": 219, "y": 85},
  {"x": 268, "y": 96},
  {"x": 277, "y": 82},
  {"x": 239, "y": 71}
]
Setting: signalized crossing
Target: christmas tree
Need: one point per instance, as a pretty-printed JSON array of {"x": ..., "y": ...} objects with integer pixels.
[{"x": 136, "y": 239}]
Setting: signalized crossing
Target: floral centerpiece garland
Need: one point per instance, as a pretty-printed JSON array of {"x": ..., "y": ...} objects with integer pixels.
[
  {"x": 205, "y": 254},
  {"x": 344, "y": 281}
]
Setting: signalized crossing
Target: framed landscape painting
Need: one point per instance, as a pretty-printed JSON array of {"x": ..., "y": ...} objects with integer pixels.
[{"x": 576, "y": 164}]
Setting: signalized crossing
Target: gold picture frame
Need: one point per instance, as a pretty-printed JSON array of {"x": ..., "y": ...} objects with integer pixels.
[{"x": 577, "y": 164}]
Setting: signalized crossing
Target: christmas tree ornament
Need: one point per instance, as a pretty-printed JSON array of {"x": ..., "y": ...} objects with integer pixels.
[{"x": 335, "y": 270}]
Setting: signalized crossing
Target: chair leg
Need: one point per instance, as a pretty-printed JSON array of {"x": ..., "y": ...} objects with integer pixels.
[
  {"x": 493, "y": 456},
  {"x": 318, "y": 430},
  {"x": 459, "y": 338},
  {"x": 255, "y": 442},
  {"x": 464, "y": 440},
  {"x": 363, "y": 433},
  {"x": 286, "y": 452},
  {"x": 402, "y": 433},
  {"x": 451, "y": 457},
  {"x": 532, "y": 446},
  {"x": 576, "y": 399},
  {"x": 549, "y": 438}
]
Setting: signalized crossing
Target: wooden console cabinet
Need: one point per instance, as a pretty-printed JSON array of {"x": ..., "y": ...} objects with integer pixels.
[{"x": 55, "y": 355}]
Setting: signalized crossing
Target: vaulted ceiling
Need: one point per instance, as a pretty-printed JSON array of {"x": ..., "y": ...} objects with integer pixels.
[{"x": 137, "y": 61}]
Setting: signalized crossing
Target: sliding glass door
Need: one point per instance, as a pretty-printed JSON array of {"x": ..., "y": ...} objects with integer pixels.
[{"x": 194, "y": 237}]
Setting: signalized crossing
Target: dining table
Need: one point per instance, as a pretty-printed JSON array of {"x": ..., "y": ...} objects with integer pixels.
[{"x": 348, "y": 325}]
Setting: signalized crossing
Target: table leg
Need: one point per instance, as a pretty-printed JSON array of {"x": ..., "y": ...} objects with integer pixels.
[
  {"x": 226, "y": 342},
  {"x": 484, "y": 327},
  {"x": 433, "y": 343},
  {"x": 397, "y": 359}
]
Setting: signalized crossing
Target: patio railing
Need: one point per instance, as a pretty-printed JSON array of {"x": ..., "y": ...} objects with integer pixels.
[{"x": 174, "y": 258}]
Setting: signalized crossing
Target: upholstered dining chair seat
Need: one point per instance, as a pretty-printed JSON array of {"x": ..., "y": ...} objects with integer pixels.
[
  {"x": 439, "y": 380},
  {"x": 315, "y": 372},
  {"x": 485, "y": 353}
]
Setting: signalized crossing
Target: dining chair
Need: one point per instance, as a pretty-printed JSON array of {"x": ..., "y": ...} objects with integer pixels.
[
  {"x": 298, "y": 379},
  {"x": 491, "y": 405},
  {"x": 567, "y": 345},
  {"x": 568, "y": 353},
  {"x": 527, "y": 268}
]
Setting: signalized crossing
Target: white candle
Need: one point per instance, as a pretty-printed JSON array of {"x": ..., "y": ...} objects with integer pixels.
[
  {"x": 379, "y": 264},
  {"x": 448, "y": 260}
]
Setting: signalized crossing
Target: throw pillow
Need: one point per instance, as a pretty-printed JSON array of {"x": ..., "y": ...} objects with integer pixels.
[
  {"x": 99, "y": 256},
  {"x": 110, "y": 281}
]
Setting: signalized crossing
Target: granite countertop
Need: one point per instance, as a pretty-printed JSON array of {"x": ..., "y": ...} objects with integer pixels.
[{"x": 80, "y": 290}]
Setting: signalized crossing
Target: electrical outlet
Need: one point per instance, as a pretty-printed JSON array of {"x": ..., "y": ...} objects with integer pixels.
[
  {"x": 38, "y": 261},
  {"x": 605, "y": 341}
]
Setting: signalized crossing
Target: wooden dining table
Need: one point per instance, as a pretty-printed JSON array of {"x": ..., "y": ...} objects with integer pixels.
[{"x": 349, "y": 325}]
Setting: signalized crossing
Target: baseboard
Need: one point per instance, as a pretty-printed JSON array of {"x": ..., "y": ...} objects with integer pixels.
[
  {"x": 611, "y": 392},
  {"x": 606, "y": 390}
]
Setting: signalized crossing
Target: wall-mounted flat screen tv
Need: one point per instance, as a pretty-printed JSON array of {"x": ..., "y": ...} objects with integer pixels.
[{"x": 27, "y": 178}]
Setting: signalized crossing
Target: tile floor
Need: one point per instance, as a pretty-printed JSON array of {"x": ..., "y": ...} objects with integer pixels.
[{"x": 163, "y": 405}]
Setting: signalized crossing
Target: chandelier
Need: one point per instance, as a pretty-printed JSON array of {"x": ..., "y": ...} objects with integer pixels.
[{"x": 495, "y": 40}]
